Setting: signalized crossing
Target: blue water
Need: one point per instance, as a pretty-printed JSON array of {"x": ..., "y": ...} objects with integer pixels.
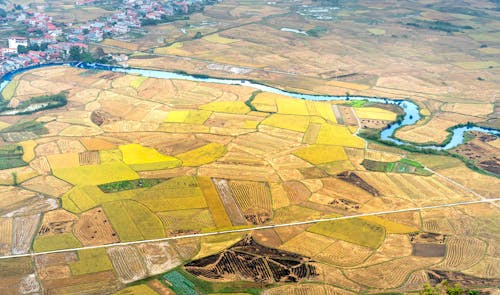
[{"x": 412, "y": 114}]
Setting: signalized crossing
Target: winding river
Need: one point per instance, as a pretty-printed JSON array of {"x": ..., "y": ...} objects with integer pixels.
[{"x": 411, "y": 116}]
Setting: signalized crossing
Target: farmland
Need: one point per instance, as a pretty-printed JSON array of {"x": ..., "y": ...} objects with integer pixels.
[{"x": 171, "y": 186}]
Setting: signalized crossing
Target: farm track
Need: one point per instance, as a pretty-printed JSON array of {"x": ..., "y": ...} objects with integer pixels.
[{"x": 33, "y": 254}]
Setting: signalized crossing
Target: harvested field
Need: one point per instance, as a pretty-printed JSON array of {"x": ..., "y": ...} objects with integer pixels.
[
  {"x": 5, "y": 236},
  {"x": 467, "y": 281},
  {"x": 23, "y": 229},
  {"x": 308, "y": 244},
  {"x": 159, "y": 257},
  {"x": 342, "y": 253},
  {"x": 254, "y": 200},
  {"x": 227, "y": 198},
  {"x": 462, "y": 252},
  {"x": 127, "y": 263},
  {"x": 94, "y": 228},
  {"x": 97, "y": 144},
  {"x": 137, "y": 290},
  {"x": 89, "y": 158},
  {"x": 297, "y": 192},
  {"x": 57, "y": 222},
  {"x": 383, "y": 275},
  {"x": 302, "y": 289}
]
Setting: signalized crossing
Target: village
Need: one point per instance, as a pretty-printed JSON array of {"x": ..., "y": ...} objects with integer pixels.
[{"x": 47, "y": 41}]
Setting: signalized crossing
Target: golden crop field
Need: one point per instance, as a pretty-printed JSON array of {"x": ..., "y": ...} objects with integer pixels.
[
  {"x": 203, "y": 155},
  {"x": 320, "y": 154},
  {"x": 290, "y": 122},
  {"x": 143, "y": 158},
  {"x": 338, "y": 135},
  {"x": 375, "y": 114}
]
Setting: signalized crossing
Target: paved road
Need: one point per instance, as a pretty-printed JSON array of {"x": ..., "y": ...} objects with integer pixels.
[{"x": 33, "y": 254}]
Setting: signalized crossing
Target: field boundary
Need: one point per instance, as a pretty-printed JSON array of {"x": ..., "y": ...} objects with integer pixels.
[{"x": 247, "y": 229}]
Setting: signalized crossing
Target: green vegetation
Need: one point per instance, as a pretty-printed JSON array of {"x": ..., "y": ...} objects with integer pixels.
[
  {"x": 27, "y": 126},
  {"x": 445, "y": 288},
  {"x": 36, "y": 104},
  {"x": 355, "y": 103},
  {"x": 128, "y": 185},
  {"x": 317, "y": 31},
  {"x": 91, "y": 261},
  {"x": 402, "y": 166},
  {"x": 56, "y": 242},
  {"x": 11, "y": 157},
  {"x": 438, "y": 25},
  {"x": 185, "y": 283}
]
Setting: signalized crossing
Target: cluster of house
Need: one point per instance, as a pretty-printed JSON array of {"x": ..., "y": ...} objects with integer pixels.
[{"x": 53, "y": 42}]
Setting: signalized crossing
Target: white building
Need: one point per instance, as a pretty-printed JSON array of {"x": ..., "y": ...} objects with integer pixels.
[{"x": 16, "y": 41}]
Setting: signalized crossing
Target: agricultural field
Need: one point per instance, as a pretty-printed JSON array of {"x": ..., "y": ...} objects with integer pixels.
[{"x": 169, "y": 186}]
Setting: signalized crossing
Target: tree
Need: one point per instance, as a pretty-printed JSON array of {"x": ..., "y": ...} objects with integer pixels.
[
  {"x": 3, "y": 13},
  {"x": 22, "y": 49},
  {"x": 198, "y": 35},
  {"x": 75, "y": 53},
  {"x": 86, "y": 31}
]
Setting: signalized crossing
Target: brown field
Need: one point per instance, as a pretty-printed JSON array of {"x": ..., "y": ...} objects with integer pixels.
[
  {"x": 127, "y": 263},
  {"x": 89, "y": 158},
  {"x": 370, "y": 276},
  {"x": 303, "y": 289},
  {"x": 227, "y": 198},
  {"x": 343, "y": 253},
  {"x": 94, "y": 228},
  {"x": 5, "y": 236},
  {"x": 56, "y": 222},
  {"x": 462, "y": 253},
  {"x": 23, "y": 229},
  {"x": 159, "y": 257},
  {"x": 254, "y": 200}
]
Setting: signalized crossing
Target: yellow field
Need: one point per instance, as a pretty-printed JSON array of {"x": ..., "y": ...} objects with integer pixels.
[
  {"x": 354, "y": 230},
  {"x": 78, "y": 200},
  {"x": 338, "y": 135},
  {"x": 142, "y": 158},
  {"x": 290, "y": 106},
  {"x": 490, "y": 50},
  {"x": 375, "y": 114},
  {"x": 56, "y": 242},
  {"x": 231, "y": 107},
  {"x": 58, "y": 161},
  {"x": 133, "y": 221},
  {"x": 120, "y": 44},
  {"x": 28, "y": 150},
  {"x": 190, "y": 219},
  {"x": 320, "y": 154},
  {"x": 391, "y": 227},
  {"x": 214, "y": 203},
  {"x": 266, "y": 102},
  {"x": 376, "y": 31},
  {"x": 290, "y": 122},
  {"x": 477, "y": 65},
  {"x": 137, "y": 82},
  {"x": 203, "y": 155},
  {"x": 9, "y": 90},
  {"x": 321, "y": 109},
  {"x": 215, "y": 38},
  {"x": 96, "y": 174},
  {"x": 214, "y": 244},
  {"x": 188, "y": 117},
  {"x": 91, "y": 261},
  {"x": 174, "y": 49},
  {"x": 136, "y": 290}
]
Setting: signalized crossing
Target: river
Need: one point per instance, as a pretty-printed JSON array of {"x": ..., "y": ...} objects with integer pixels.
[{"x": 411, "y": 116}]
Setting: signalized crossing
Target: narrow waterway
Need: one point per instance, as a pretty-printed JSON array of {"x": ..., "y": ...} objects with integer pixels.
[{"x": 411, "y": 116}]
